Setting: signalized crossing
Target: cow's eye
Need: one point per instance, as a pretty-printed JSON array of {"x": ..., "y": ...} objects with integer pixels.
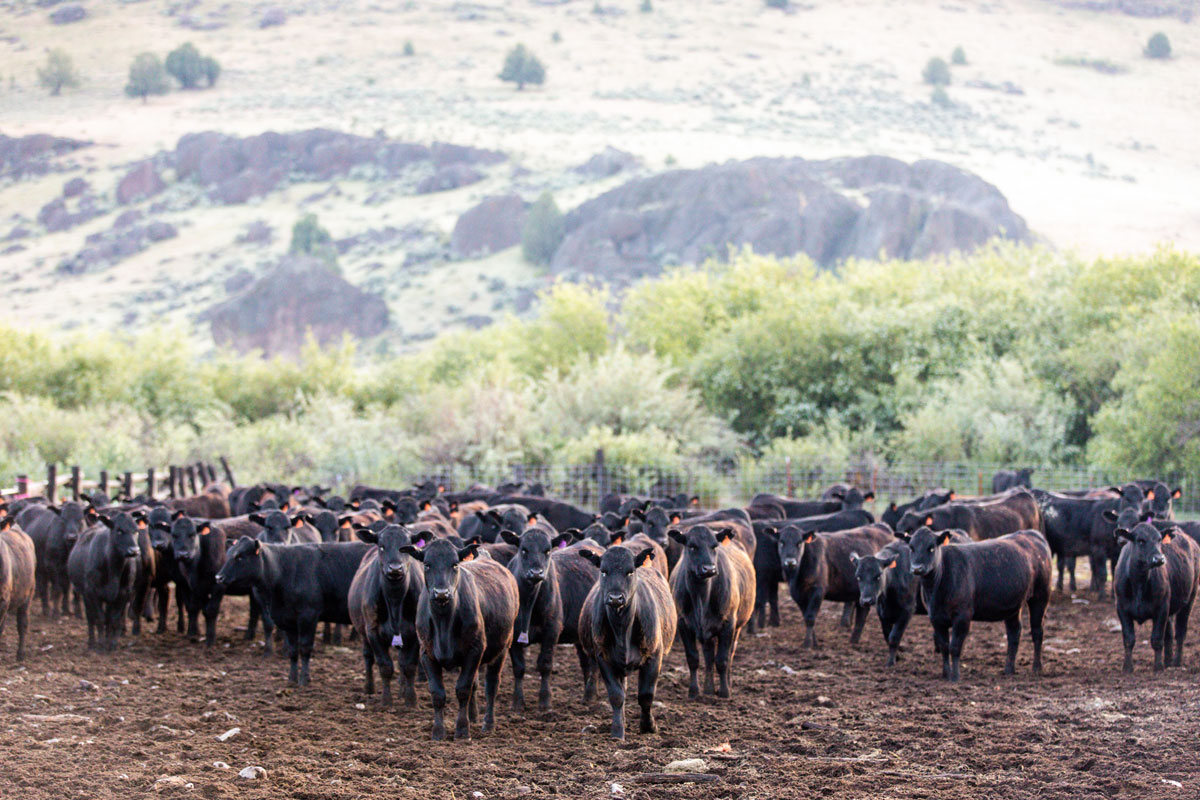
[
  {"x": 604, "y": 573},
  {"x": 628, "y": 573}
]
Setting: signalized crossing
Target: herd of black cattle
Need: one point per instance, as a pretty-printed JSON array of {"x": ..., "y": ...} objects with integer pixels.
[{"x": 447, "y": 580}]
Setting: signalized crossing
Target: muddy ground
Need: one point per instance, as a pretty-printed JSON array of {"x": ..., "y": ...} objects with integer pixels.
[{"x": 154, "y": 709}]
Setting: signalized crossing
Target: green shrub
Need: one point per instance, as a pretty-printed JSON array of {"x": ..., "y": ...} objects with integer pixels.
[
  {"x": 543, "y": 232},
  {"x": 556, "y": 37},
  {"x": 940, "y": 97},
  {"x": 522, "y": 67},
  {"x": 309, "y": 238},
  {"x": 189, "y": 67},
  {"x": 777, "y": 3},
  {"x": 58, "y": 72},
  {"x": 646, "y": 7},
  {"x": 959, "y": 57},
  {"x": 936, "y": 72},
  {"x": 1102, "y": 65},
  {"x": 1159, "y": 46},
  {"x": 146, "y": 77},
  {"x": 409, "y": 50}
]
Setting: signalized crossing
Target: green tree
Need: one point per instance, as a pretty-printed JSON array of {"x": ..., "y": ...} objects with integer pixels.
[
  {"x": 1159, "y": 46},
  {"x": 543, "y": 232},
  {"x": 189, "y": 67},
  {"x": 936, "y": 72},
  {"x": 146, "y": 77},
  {"x": 522, "y": 67},
  {"x": 409, "y": 50},
  {"x": 309, "y": 238},
  {"x": 58, "y": 72},
  {"x": 958, "y": 57}
]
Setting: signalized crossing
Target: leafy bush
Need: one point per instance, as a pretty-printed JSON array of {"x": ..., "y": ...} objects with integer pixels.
[
  {"x": 777, "y": 3},
  {"x": 309, "y": 238},
  {"x": 522, "y": 67},
  {"x": 1101, "y": 65},
  {"x": 936, "y": 72},
  {"x": 940, "y": 97},
  {"x": 1158, "y": 46},
  {"x": 646, "y": 7},
  {"x": 146, "y": 77},
  {"x": 189, "y": 67},
  {"x": 959, "y": 57},
  {"x": 543, "y": 232},
  {"x": 409, "y": 50},
  {"x": 58, "y": 72}
]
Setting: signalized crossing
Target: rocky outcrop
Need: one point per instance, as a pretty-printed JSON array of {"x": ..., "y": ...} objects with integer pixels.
[
  {"x": 451, "y": 176},
  {"x": 139, "y": 183},
  {"x": 126, "y": 238},
  {"x": 301, "y": 294},
  {"x": 830, "y": 210},
  {"x": 235, "y": 170},
  {"x": 33, "y": 154},
  {"x": 1185, "y": 10},
  {"x": 68, "y": 14},
  {"x": 492, "y": 225},
  {"x": 606, "y": 163}
]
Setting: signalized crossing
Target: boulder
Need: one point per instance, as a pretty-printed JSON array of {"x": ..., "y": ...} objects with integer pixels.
[
  {"x": 453, "y": 176},
  {"x": 301, "y": 294},
  {"x": 493, "y": 225},
  {"x": 68, "y": 14},
  {"x": 75, "y": 187},
  {"x": 139, "y": 183},
  {"x": 607, "y": 163},
  {"x": 829, "y": 210},
  {"x": 271, "y": 17},
  {"x": 33, "y": 154},
  {"x": 257, "y": 232}
]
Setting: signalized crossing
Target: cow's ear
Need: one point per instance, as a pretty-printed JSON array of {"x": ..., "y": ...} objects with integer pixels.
[
  {"x": 869, "y": 496},
  {"x": 1178, "y": 493},
  {"x": 575, "y": 534},
  {"x": 468, "y": 553},
  {"x": 510, "y": 537},
  {"x": 1149, "y": 494},
  {"x": 1109, "y": 515},
  {"x": 675, "y": 518},
  {"x": 892, "y": 506},
  {"x": 161, "y": 526},
  {"x": 367, "y": 535},
  {"x": 177, "y": 514},
  {"x": 258, "y": 519},
  {"x": 204, "y": 529},
  {"x": 106, "y": 520},
  {"x": 1168, "y": 534},
  {"x": 298, "y": 521},
  {"x": 677, "y": 535},
  {"x": 953, "y": 494},
  {"x": 257, "y": 547},
  {"x": 54, "y": 510},
  {"x": 413, "y": 551},
  {"x": 531, "y": 519},
  {"x": 426, "y": 505},
  {"x": 904, "y": 537},
  {"x": 561, "y": 541},
  {"x": 1121, "y": 533},
  {"x": 943, "y": 537},
  {"x": 345, "y": 522},
  {"x": 695, "y": 501},
  {"x": 809, "y": 536},
  {"x": 638, "y": 514},
  {"x": 1147, "y": 516},
  {"x": 838, "y": 494},
  {"x": 769, "y": 532},
  {"x": 617, "y": 537},
  {"x": 724, "y": 536},
  {"x": 590, "y": 556},
  {"x": 891, "y": 565},
  {"x": 855, "y": 558},
  {"x": 644, "y": 557},
  {"x": 928, "y": 520},
  {"x": 453, "y": 506},
  {"x": 5, "y": 523}
]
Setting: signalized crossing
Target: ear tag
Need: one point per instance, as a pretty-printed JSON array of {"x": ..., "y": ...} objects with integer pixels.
[
  {"x": 562, "y": 545},
  {"x": 141, "y": 523},
  {"x": 470, "y": 557},
  {"x": 889, "y": 566},
  {"x": 523, "y": 638},
  {"x": 397, "y": 641},
  {"x": 419, "y": 543}
]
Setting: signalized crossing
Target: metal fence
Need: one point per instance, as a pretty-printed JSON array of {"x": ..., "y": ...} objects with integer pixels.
[{"x": 735, "y": 482}]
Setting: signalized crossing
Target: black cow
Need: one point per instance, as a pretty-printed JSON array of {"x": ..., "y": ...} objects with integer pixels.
[
  {"x": 797, "y": 508},
  {"x": 383, "y": 603},
  {"x": 1103, "y": 544},
  {"x": 935, "y": 497},
  {"x": 1007, "y": 479},
  {"x": 464, "y": 620},
  {"x": 54, "y": 531},
  {"x": 768, "y": 573},
  {"x": 987, "y": 581},
  {"x": 299, "y": 585},
  {"x": 713, "y": 586},
  {"x": 885, "y": 580},
  {"x": 17, "y": 579},
  {"x": 488, "y": 523},
  {"x": 279, "y": 528},
  {"x": 1068, "y": 523},
  {"x": 1159, "y": 497},
  {"x": 1155, "y": 579},
  {"x": 104, "y": 569},
  {"x": 817, "y": 567},
  {"x": 553, "y": 579},
  {"x": 165, "y": 569},
  {"x": 981, "y": 519},
  {"x": 628, "y": 622},
  {"x": 561, "y": 515}
]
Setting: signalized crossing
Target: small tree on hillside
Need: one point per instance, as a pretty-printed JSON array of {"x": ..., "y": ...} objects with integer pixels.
[
  {"x": 936, "y": 72},
  {"x": 58, "y": 72},
  {"x": 146, "y": 77},
  {"x": 958, "y": 57},
  {"x": 188, "y": 67},
  {"x": 309, "y": 238},
  {"x": 543, "y": 231},
  {"x": 522, "y": 67},
  {"x": 1159, "y": 46}
]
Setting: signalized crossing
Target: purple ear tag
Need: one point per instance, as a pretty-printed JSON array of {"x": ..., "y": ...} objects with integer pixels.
[
  {"x": 523, "y": 638},
  {"x": 397, "y": 641}
]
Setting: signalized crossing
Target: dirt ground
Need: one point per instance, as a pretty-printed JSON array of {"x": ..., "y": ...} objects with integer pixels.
[{"x": 831, "y": 723}]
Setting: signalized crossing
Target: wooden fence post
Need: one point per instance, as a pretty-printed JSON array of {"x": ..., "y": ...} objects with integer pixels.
[
  {"x": 172, "y": 472},
  {"x": 104, "y": 481},
  {"x": 150, "y": 482},
  {"x": 228, "y": 473},
  {"x": 51, "y": 482},
  {"x": 75, "y": 476},
  {"x": 23, "y": 485},
  {"x": 191, "y": 476},
  {"x": 128, "y": 487}
]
